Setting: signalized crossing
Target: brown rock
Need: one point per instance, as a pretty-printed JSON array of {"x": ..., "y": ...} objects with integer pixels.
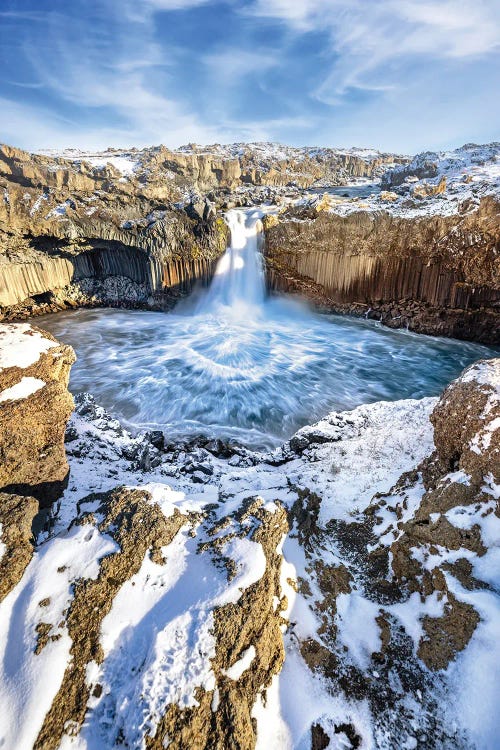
[
  {"x": 33, "y": 460},
  {"x": 16, "y": 516},
  {"x": 465, "y": 421},
  {"x": 427, "y": 189},
  {"x": 433, "y": 274},
  {"x": 447, "y": 635}
]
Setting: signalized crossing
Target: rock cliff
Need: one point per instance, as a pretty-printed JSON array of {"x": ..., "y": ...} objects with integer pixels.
[
  {"x": 135, "y": 228},
  {"x": 71, "y": 234},
  {"x": 140, "y": 228},
  {"x": 34, "y": 409},
  {"x": 434, "y": 274}
]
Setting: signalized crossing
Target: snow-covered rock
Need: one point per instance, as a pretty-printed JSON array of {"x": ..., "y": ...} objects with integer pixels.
[
  {"x": 34, "y": 408},
  {"x": 343, "y": 588}
]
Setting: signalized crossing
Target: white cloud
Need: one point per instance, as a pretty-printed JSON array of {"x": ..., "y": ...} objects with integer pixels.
[
  {"x": 230, "y": 65},
  {"x": 368, "y": 39},
  {"x": 176, "y": 4},
  {"x": 113, "y": 67}
]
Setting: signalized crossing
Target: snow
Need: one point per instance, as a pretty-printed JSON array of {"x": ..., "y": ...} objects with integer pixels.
[
  {"x": 240, "y": 666},
  {"x": 38, "y": 203},
  {"x": 142, "y": 592},
  {"x": 297, "y": 699},
  {"x": 474, "y": 677},
  {"x": 27, "y": 386},
  {"x": 482, "y": 515},
  {"x": 21, "y": 346},
  {"x": 59, "y": 211},
  {"x": 411, "y": 612},
  {"x": 485, "y": 372},
  {"x": 267, "y": 151},
  {"x": 162, "y": 618},
  {"x": 126, "y": 162},
  {"x": 123, "y": 164},
  {"x": 157, "y": 639},
  {"x": 358, "y": 631},
  {"x": 29, "y": 682},
  {"x": 362, "y": 463},
  {"x": 471, "y": 172}
]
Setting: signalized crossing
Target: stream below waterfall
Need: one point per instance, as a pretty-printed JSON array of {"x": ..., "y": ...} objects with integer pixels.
[{"x": 232, "y": 363}]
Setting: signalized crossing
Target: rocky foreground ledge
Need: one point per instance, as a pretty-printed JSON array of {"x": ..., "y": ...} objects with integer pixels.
[{"x": 340, "y": 592}]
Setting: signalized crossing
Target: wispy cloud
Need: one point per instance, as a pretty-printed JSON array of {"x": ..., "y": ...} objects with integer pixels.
[
  {"x": 135, "y": 72},
  {"x": 176, "y": 4},
  {"x": 369, "y": 40},
  {"x": 232, "y": 64}
]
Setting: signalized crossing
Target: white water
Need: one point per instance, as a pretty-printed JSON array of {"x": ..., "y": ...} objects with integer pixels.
[
  {"x": 233, "y": 363},
  {"x": 238, "y": 284}
]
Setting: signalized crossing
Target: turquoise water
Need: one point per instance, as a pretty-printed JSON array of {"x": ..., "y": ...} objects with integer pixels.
[
  {"x": 235, "y": 364},
  {"x": 254, "y": 377}
]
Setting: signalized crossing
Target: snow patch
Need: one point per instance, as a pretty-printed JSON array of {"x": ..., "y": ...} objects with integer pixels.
[
  {"x": 27, "y": 386},
  {"x": 235, "y": 671},
  {"x": 21, "y": 346}
]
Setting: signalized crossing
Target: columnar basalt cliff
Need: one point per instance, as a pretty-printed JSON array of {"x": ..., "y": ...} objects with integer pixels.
[
  {"x": 138, "y": 228},
  {"x": 433, "y": 274},
  {"x": 130, "y": 228},
  {"x": 87, "y": 237}
]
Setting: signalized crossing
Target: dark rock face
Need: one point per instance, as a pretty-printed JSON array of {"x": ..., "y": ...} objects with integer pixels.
[
  {"x": 138, "y": 267},
  {"x": 435, "y": 274},
  {"x": 73, "y": 235}
]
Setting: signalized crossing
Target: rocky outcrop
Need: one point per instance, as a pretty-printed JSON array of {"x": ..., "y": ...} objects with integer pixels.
[
  {"x": 430, "y": 164},
  {"x": 417, "y": 563},
  {"x": 450, "y": 525},
  {"x": 208, "y": 651},
  {"x": 70, "y": 223},
  {"x": 68, "y": 228},
  {"x": 304, "y": 597},
  {"x": 249, "y": 647},
  {"x": 16, "y": 538},
  {"x": 34, "y": 409},
  {"x": 432, "y": 274},
  {"x": 138, "y": 528}
]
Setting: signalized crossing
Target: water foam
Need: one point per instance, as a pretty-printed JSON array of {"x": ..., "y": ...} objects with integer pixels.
[{"x": 235, "y": 363}]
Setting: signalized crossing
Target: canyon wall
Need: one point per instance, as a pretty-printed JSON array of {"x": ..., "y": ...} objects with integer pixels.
[
  {"x": 80, "y": 232},
  {"x": 432, "y": 274},
  {"x": 270, "y": 164},
  {"x": 51, "y": 262},
  {"x": 73, "y": 233}
]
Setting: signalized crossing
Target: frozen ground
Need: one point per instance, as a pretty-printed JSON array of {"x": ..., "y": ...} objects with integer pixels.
[
  {"x": 470, "y": 173},
  {"x": 161, "y": 618}
]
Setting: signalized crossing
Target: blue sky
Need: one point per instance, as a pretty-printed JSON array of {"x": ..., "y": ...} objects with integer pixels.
[{"x": 399, "y": 75}]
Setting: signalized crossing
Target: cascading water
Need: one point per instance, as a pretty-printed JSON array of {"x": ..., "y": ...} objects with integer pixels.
[
  {"x": 239, "y": 277},
  {"x": 235, "y": 364}
]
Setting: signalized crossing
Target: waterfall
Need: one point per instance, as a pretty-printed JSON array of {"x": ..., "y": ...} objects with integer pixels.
[{"x": 238, "y": 281}]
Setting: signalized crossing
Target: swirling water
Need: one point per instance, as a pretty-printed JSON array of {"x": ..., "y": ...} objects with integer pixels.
[{"x": 233, "y": 364}]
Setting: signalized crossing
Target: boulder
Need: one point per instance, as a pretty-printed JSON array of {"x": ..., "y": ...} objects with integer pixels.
[
  {"x": 467, "y": 422},
  {"x": 388, "y": 196},
  {"x": 428, "y": 189}
]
